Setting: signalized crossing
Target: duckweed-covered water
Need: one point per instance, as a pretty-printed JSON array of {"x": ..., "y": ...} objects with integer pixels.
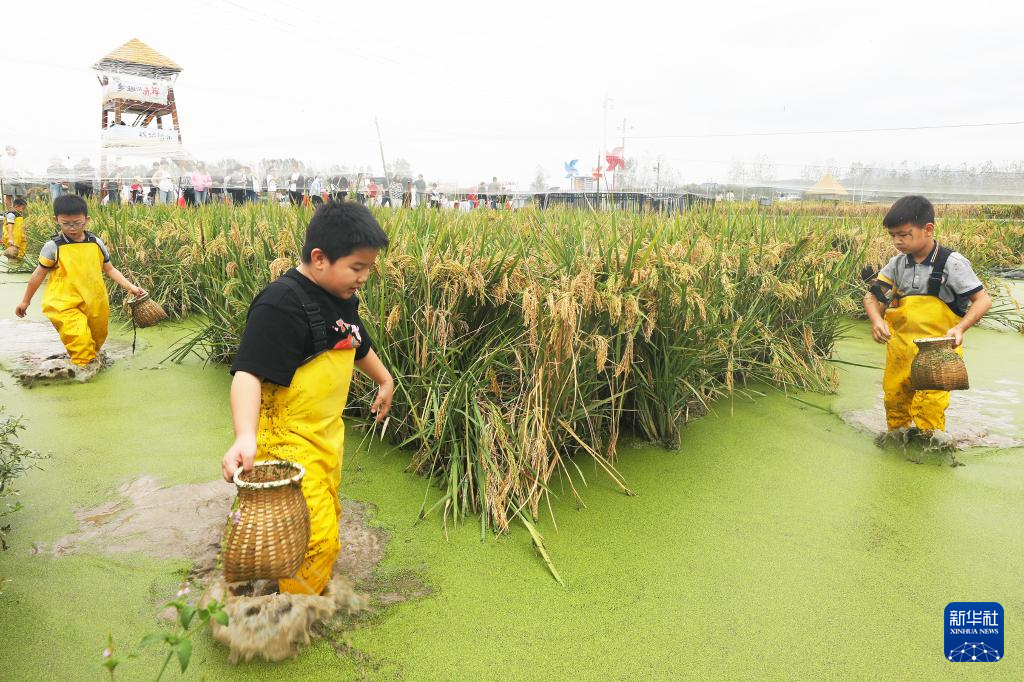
[{"x": 776, "y": 543}]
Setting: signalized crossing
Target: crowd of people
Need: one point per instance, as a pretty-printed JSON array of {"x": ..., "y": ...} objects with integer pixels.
[{"x": 194, "y": 183}]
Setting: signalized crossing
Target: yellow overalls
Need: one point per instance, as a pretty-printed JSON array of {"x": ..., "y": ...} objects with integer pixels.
[
  {"x": 909, "y": 318},
  {"x": 14, "y": 235},
  {"x": 75, "y": 300},
  {"x": 302, "y": 423}
]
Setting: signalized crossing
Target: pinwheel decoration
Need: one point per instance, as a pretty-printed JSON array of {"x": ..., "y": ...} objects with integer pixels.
[
  {"x": 570, "y": 169},
  {"x": 615, "y": 159}
]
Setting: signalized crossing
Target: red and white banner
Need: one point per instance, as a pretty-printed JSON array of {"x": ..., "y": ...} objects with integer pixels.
[{"x": 137, "y": 88}]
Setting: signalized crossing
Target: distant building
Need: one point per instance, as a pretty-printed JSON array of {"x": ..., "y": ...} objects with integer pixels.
[{"x": 583, "y": 184}]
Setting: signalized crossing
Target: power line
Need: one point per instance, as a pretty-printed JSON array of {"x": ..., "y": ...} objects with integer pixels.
[{"x": 839, "y": 131}]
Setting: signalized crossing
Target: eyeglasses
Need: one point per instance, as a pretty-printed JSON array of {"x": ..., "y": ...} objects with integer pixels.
[{"x": 72, "y": 226}]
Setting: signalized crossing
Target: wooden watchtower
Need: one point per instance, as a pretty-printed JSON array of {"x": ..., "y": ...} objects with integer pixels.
[{"x": 138, "y": 81}]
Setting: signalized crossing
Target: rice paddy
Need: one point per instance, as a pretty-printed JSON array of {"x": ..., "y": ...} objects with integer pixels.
[{"x": 525, "y": 344}]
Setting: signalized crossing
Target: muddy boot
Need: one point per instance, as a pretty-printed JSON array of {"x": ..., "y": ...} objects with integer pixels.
[
  {"x": 56, "y": 368},
  {"x": 85, "y": 372},
  {"x": 895, "y": 438},
  {"x": 940, "y": 441}
]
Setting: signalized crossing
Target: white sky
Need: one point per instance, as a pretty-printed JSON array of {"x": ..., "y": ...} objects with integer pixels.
[{"x": 466, "y": 90}]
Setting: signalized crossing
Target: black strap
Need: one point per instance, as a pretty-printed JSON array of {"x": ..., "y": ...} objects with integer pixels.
[
  {"x": 942, "y": 255},
  {"x": 938, "y": 267},
  {"x": 317, "y": 324}
]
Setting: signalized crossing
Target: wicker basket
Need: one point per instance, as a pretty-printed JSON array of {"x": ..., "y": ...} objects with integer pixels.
[
  {"x": 937, "y": 367},
  {"x": 11, "y": 252},
  {"x": 269, "y": 532},
  {"x": 145, "y": 311}
]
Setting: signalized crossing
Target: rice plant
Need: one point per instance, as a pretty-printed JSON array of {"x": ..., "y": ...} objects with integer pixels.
[{"x": 526, "y": 344}]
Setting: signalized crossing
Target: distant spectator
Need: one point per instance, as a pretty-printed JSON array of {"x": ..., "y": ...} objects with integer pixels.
[
  {"x": 254, "y": 187},
  {"x": 421, "y": 188},
  {"x": 13, "y": 179},
  {"x": 57, "y": 176},
  {"x": 395, "y": 193},
  {"x": 316, "y": 187},
  {"x": 494, "y": 192},
  {"x": 201, "y": 182},
  {"x": 85, "y": 178},
  {"x": 112, "y": 187},
  {"x": 136, "y": 190},
  {"x": 357, "y": 189},
  {"x": 164, "y": 185}
]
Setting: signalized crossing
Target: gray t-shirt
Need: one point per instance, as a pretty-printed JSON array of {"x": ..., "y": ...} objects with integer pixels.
[
  {"x": 48, "y": 254},
  {"x": 909, "y": 278}
]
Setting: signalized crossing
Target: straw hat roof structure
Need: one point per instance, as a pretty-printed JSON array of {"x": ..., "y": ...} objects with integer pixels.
[
  {"x": 827, "y": 186},
  {"x": 137, "y": 53}
]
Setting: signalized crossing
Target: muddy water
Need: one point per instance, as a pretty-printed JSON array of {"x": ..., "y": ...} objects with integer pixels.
[{"x": 777, "y": 542}]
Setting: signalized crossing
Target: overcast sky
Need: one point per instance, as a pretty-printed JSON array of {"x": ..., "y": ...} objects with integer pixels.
[{"x": 468, "y": 90}]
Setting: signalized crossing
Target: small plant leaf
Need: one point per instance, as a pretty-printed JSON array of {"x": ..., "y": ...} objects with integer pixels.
[
  {"x": 185, "y": 614},
  {"x": 152, "y": 639},
  {"x": 221, "y": 617},
  {"x": 184, "y": 649}
]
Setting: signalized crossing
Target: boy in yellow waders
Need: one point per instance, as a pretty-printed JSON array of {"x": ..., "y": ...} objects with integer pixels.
[
  {"x": 75, "y": 300},
  {"x": 302, "y": 338},
  {"x": 927, "y": 291},
  {"x": 14, "y": 229}
]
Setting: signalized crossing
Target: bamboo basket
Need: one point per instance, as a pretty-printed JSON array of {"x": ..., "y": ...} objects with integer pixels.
[
  {"x": 11, "y": 252},
  {"x": 937, "y": 367},
  {"x": 145, "y": 311},
  {"x": 269, "y": 532}
]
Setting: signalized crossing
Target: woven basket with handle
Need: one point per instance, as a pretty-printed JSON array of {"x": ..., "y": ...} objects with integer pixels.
[
  {"x": 269, "y": 532},
  {"x": 11, "y": 252},
  {"x": 145, "y": 311},
  {"x": 937, "y": 367}
]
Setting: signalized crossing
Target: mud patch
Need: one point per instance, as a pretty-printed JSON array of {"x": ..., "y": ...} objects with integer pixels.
[
  {"x": 181, "y": 521},
  {"x": 188, "y": 521},
  {"x": 275, "y": 627},
  {"x": 33, "y": 353},
  {"x": 975, "y": 418}
]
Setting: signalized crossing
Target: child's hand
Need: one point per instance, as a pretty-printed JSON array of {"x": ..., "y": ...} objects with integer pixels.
[
  {"x": 957, "y": 334},
  {"x": 137, "y": 291},
  {"x": 880, "y": 331},
  {"x": 242, "y": 453},
  {"x": 21, "y": 309},
  {"x": 382, "y": 404}
]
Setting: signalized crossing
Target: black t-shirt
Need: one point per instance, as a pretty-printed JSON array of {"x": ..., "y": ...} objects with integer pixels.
[{"x": 277, "y": 339}]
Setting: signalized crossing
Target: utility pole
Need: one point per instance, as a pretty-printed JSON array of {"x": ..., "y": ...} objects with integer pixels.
[
  {"x": 615, "y": 173},
  {"x": 380, "y": 143},
  {"x": 657, "y": 177},
  {"x": 604, "y": 128}
]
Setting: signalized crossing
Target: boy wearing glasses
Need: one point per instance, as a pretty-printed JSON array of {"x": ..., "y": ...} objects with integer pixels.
[{"x": 75, "y": 300}]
